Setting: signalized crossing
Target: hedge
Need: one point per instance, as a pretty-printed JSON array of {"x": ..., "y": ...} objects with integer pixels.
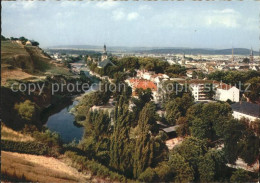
[
  {"x": 25, "y": 147},
  {"x": 96, "y": 168}
]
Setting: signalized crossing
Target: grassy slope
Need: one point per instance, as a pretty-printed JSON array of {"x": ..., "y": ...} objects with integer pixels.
[
  {"x": 26, "y": 167},
  {"x": 37, "y": 168},
  {"x": 9, "y": 134},
  {"x": 25, "y": 62}
]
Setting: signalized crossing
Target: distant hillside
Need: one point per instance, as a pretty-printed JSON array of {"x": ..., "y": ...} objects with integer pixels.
[
  {"x": 159, "y": 50},
  {"x": 189, "y": 51},
  {"x": 30, "y": 59}
]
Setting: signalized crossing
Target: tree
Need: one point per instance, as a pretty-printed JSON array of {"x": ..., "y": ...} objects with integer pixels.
[
  {"x": 181, "y": 169},
  {"x": 149, "y": 150},
  {"x": 26, "y": 110},
  {"x": 149, "y": 175},
  {"x": 249, "y": 147},
  {"x": 191, "y": 149},
  {"x": 207, "y": 120},
  {"x": 121, "y": 147},
  {"x": 246, "y": 60},
  {"x": 3, "y": 38},
  {"x": 95, "y": 141},
  {"x": 201, "y": 129},
  {"x": 172, "y": 90},
  {"x": 178, "y": 108},
  {"x": 232, "y": 132},
  {"x": 144, "y": 96},
  {"x": 183, "y": 129},
  {"x": 240, "y": 176},
  {"x": 212, "y": 166},
  {"x": 35, "y": 43},
  {"x": 254, "y": 89}
]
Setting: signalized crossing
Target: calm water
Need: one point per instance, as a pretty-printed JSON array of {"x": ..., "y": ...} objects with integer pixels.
[{"x": 62, "y": 123}]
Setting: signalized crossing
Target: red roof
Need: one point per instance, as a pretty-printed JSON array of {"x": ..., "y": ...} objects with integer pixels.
[
  {"x": 144, "y": 84},
  {"x": 224, "y": 86}
]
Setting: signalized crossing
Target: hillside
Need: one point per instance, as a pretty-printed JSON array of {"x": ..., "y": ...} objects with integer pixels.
[
  {"x": 23, "y": 62},
  {"x": 157, "y": 50},
  {"x": 26, "y": 167}
]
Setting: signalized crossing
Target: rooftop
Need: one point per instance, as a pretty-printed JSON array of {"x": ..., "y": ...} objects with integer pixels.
[{"x": 247, "y": 108}]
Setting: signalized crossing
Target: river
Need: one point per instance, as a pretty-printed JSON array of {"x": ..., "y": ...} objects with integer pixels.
[{"x": 63, "y": 122}]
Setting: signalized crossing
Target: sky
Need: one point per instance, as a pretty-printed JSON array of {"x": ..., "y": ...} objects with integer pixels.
[{"x": 203, "y": 24}]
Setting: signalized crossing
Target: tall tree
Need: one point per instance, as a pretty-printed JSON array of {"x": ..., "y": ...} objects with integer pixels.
[
  {"x": 121, "y": 146},
  {"x": 149, "y": 150},
  {"x": 181, "y": 169}
]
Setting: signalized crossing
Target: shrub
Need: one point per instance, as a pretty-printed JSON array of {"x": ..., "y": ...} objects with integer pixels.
[
  {"x": 25, "y": 147},
  {"x": 83, "y": 164},
  {"x": 240, "y": 175},
  {"x": 149, "y": 175}
]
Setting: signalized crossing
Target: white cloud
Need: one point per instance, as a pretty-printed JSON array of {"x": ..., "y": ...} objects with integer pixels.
[
  {"x": 28, "y": 5},
  {"x": 225, "y": 11},
  {"x": 107, "y": 4},
  {"x": 222, "y": 21},
  {"x": 118, "y": 14},
  {"x": 132, "y": 16},
  {"x": 144, "y": 7}
]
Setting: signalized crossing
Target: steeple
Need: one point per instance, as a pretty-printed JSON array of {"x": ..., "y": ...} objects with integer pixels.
[
  {"x": 104, "y": 55},
  {"x": 232, "y": 54},
  {"x": 251, "y": 55},
  {"x": 105, "y": 49}
]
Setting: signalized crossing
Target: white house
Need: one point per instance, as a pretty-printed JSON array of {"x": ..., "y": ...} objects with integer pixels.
[
  {"x": 247, "y": 110},
  {"x": 225, "y": 92},
  {"x": 28, "y": 43}
]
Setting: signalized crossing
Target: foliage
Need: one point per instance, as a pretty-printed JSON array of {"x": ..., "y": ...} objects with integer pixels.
[
  {"x": 207, "y": 119},
  {"x": 181, "y": 169},
  {"x": 212, "y": 166},
  {"x": 25, "y": 147},
  {"x": 26, "y": 109},
  {"x": 254, "y": 89},
  {"x": 149, "y": 175},
  {"x": 178, "y": 108},
  {"x": 233, "y": 77},
  {"x": 83, "y": 164},
  {"x": 144, "y": 96},
  {"x": 121, "y": 146},
  {"x": 240, "y": 176},
  {"x": 149, "y": 150},
  {"x": 183, "y": 129},
  {"x": 191, "y": 149}
]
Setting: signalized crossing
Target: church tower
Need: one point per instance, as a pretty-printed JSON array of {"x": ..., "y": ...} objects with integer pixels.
[
  {"x": 251, "y": 56},
  {"x": 183, "y": 59},
  {"x": 104, "y": 55},
  {"x": 233, "y": 55}
]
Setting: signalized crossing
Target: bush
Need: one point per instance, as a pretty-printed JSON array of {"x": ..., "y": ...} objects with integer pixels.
[
  {"x": 240, "y": 175},
  {"x": 149, "y": 175},
  {"x": 83, "y": 164},
  {"x": 25, "y": 147}
]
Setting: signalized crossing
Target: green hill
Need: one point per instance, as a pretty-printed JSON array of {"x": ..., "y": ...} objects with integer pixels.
[{"x": 31, "y": 59}]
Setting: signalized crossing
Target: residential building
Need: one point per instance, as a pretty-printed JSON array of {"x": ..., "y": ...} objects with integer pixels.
[
  {"x": 144, "y": 84},
  {"x": 246, "y": 110},
  {"x": 226, "y": 92}
]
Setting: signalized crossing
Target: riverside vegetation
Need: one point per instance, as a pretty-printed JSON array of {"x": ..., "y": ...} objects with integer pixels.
[{"x": 128, "y": 145}]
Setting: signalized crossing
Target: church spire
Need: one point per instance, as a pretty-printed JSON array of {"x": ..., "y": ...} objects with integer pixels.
[
  {"x": 105, "y": 48},
  {"x": 251, "y": 55}
]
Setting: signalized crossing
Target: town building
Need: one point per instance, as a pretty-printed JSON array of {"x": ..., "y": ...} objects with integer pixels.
[
  {"x": 28, "y": 43},
  {"x": 226, "y": 92},
  {"x": 105, "y": 61},
  {"x": 144, "y": 84},
  {"x": 246, "y": 110}
]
